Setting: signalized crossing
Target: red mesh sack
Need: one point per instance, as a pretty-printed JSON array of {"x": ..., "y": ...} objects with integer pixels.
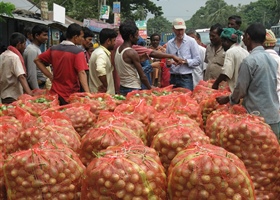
[
  {"x": 9, "y": 131},
  {"x": 3, "y": 193},
  {"x": 201, "y": 92},
  {"x": 125, "y": 172},
  {"x": 97, "y": 101},
  {"x": 7, "y": 110},
  {"x": 52, "y": 133},
  {"x": 216, "y": 122},
  {"x": 222, "y": 86},
  {"x": 163, "y": 120},
  {"x": 138, "y": 110},
  {"x": 185, "y": 105},
  {"x": 256, "y": 145},
  {"x": 43, "y": 172},
  {"x": 4, "y": 120},
  {"x": 210, "y": 104},
  {"x": 79, "y": 114},
  {"x": 105, "y": 118},
  {"x": 98, "y": 139},
  {"x": 137, "y": 95},
  {"x": 171, "y": 140},
  {"x": 35, "y": 105},
  {"x": 208, "y": 172}
]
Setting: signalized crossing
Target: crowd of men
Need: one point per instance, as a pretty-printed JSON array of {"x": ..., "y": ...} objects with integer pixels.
[{"x": 120, "y": 64}]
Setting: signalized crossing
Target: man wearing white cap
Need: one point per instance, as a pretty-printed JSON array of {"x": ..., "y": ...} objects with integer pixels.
[{"x": 186, "y": 48}]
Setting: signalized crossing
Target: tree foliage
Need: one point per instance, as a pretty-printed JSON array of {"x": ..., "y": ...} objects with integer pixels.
[
  {"x": 158, "y": 25},
  {"x": 130, "y": 9},
  {"x": 218, "y": 11},
  {"x": 6, "y": 9}
]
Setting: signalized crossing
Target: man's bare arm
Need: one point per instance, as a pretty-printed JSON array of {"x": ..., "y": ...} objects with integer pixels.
[
  {"x": 24, "y": 84},
  {"x": 43, "y": 68}
]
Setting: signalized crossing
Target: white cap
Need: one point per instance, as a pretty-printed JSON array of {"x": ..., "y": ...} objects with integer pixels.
[{"x": 179, "y": 23}]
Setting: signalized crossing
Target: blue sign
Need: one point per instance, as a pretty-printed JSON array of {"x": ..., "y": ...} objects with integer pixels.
[{"x": 116, "y": 7}]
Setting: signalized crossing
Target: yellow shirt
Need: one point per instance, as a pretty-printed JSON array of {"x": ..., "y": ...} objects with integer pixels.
[{"x": 100, "y": 65}]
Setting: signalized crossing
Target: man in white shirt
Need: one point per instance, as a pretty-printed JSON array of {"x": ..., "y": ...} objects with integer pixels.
[
  {"x": 269, "y": 44},
  {"x": 12, "y": 77},
  {"x": 198, "y": 72},
  {"x": 100, "y": 67}
]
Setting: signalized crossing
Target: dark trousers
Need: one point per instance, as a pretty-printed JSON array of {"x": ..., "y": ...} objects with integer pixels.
[{"x": 8, "y": 100}]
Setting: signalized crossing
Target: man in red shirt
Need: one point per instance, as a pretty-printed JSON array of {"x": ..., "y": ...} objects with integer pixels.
[{"x": 68, "y": 63}]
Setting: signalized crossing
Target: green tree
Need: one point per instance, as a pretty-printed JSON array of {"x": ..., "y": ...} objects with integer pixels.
[
  {"x": 263, "y": 11},
  {"x": 158, "y": 25},
  {"x": 214, "y": 11},
  {"x": 140, "y": 14},
  {"x": 6, "y": 9},
  {"x": 81, "y": 9}
]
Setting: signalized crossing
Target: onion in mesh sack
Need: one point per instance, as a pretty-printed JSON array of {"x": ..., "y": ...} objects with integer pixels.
[
  {"x": 55, "y": 134},
  {"x": 163, "y": 120},
  {"x": 79, "y": 114},
  {"x": 100, "y": 138},
  {"x": 172, "y": 139},
  {"x": 3, "y": 194},
  {"x": 118, "y": 119},
  {"x": 208, "y": 172},
  {"x": 9, "y": 131},
  {"x": 43, "y": 172},
  {"x": 97, "y": 101},
  {"x": 137, "y": 109},
  {"x": 253, "y": 141},
  {"x": 35, "y": 105},
  {"x": 125, "y": 172}
]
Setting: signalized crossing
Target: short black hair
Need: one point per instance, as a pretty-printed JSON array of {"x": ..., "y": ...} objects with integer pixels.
[
  {"x": 257, "y": 32},
  {"x": 198, "y": 36},
  {"x": 217, "y": 27},
  {"x": 38, "y": 29},
  {"x": 154, "y": 35},
  {"x": 87, "y": 32},
  {"x": 72, "y": 30},
  {"x": 27, "y": 30},
  {"x": 17, "y": 38},
  {"x": 128, "y": 28},
  {"x": 107, "y": 33},
  {"x": 237, "y": 19}
]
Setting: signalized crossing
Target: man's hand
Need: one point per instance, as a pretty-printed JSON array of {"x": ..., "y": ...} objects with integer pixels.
[
  {"x": 178, "y": 60},
  {"x": 156, "y": 65},
  {"x": 222, "y": 99},
  {"x": 102, "y": 89}
]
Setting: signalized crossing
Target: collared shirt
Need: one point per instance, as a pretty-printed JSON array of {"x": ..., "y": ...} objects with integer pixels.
[
  {"x": 33, "y": 73},
  {"x": 275, "y": 55},
  {"x": 199, "y": 71},
  {"x": 67, "y": 61},
  {"x": 11, "y": 68},
  {"x": 188, "y": 51},
  {"x": 215, "y": 61},
  {"x": 100, "y": 65},
  {"x": 256, "y": 84},
  {"x": 233, "y": 58}
]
